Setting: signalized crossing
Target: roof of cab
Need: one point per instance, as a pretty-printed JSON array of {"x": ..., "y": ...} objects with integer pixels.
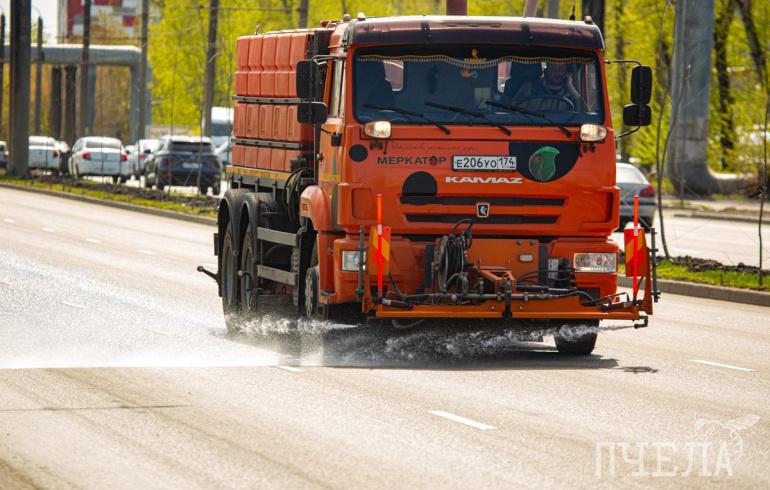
[{"x": 443, "y": 29}]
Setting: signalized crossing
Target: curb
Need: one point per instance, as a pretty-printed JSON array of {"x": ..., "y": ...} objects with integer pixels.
[
  {"x": 721, "y": 217},
  {"x": 707, "y": 291},
  {"x": 116, "y": 204}
]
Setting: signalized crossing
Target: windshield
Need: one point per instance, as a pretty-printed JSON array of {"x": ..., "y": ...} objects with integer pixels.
[{"x": 504, "y": 85}]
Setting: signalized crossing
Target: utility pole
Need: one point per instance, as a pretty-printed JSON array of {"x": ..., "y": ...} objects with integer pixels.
[
  {"x": 39, "y": 75},
  {"x": 595, "y": 8},
  {"x": 21, "y": 52},
  {"x": 2, "y": 65},
  {"x": 83, "y": 96},
  {"x": 211, "y": 65},
  {"x": 143, "y": 71}
]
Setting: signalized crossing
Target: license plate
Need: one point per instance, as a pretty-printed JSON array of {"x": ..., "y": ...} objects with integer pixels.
[
  {"x": 483, "y": 163},
  {"x": 191, "y": 165}
]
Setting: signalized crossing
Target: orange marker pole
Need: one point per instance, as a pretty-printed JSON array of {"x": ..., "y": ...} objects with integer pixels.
[
  {"x": 379, "y": 245},
  {"x": 635, "y": 247}
]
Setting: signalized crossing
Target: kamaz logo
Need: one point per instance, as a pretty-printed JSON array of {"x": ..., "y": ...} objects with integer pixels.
[{"x": 482, "y": 180}]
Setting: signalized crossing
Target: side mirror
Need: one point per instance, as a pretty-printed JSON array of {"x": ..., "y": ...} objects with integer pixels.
[
  {"x": 637, "y": 115},
  {"x": 641, "y": 84},
  {"x": 304, "y": 80},
  {"x": 311, "y": 112}
]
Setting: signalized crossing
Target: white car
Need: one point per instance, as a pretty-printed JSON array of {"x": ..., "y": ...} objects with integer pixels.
[
  {"x": 43, "y": 153},
  {"x": 136, "y": 158},
  {"x": 99, "y": 156}
]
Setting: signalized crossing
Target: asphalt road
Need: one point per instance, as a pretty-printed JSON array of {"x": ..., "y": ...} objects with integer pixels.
[{"x": 116, "y": 371}]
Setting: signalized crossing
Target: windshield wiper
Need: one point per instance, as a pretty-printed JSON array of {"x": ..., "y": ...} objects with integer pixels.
[
  {"x": 527, "y": 112},
  {"x": 407, "y": 113},
  {"x": 466, "y": 112}
]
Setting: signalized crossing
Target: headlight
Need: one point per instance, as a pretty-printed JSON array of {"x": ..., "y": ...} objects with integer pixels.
[
  {"x": 350, "y": 260},
  {"x": 592, "y": 132},
  {"x": 378, "y": 129},
  {"x": 595, "y": 262}
]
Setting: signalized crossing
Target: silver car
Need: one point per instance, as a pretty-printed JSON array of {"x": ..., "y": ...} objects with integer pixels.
[
  {"x": 43, "y": 153},
  {"x": 632, "y": 182},
  {"x": 136, "y": 158},
  {"x": 99, "y": 156}
]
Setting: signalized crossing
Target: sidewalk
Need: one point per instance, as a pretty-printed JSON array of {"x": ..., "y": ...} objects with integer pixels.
[{"x": 744, "y": 210}]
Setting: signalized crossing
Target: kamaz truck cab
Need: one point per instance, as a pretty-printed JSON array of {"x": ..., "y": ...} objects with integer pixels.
[{"x": 409, "y": 168}]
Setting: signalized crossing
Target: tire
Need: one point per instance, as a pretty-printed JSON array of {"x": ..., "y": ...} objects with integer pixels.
[
  {"x": 228, "y": 277},
  {"x": 216, "y": 189},
  {"x": 203, "y": 189},
  {"x": 158, "y": 184},
  {"x": 577, "y": 338}
]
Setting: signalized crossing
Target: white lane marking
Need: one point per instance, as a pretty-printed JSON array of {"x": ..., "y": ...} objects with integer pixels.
[
  {"x": 9, "y": 220},
  {"x": 93, "y": 240},
  {"x": 48, "y": 230},
  {"x": 462, "y": 420},
  {"x": 156, "y": 332},
  {"x": 73, "y": 305},
  {"x": 717, "y": 364},
  {"x": 291, "y": 369},
  {"x": 6, "y": 283},
  {"x": 146, "y": 252}
]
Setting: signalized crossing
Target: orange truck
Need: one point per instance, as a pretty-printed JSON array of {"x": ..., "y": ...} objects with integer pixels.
[{"x": 428, "y": 167}]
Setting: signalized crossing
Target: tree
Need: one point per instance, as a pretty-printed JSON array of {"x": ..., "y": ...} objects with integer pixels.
[{"x": 691, "y": 82}]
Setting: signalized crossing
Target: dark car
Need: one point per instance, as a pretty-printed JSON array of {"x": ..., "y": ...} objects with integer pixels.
[
  {"x": 184, "y": 161},
  {"x": 632, "y": 182}
]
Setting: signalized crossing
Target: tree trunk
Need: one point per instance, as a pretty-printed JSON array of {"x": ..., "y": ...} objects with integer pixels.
[
  {"x": 302, "y": 11},
  {"x": 595, "y": 8},
  {"x": 623, "y": 144},
  {"x": 691, "y": 82},
  {"x": 726, "y": 100},
  {"x": 757, "y": 52},
  {"x": 553, "y": 8}
]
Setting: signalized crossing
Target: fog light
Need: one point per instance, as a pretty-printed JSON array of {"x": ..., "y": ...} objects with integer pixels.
[
  {"x": 595, "y": 262},
  {"x": 350, "y": 260},
  {"x": 592, "y": 132},
  {"x": 378, "y": 129}
]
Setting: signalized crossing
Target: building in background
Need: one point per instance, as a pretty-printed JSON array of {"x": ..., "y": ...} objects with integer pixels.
[{"x": 123, "y": 13}]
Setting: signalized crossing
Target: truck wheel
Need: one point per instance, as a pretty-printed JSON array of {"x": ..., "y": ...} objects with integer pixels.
[
  {"x": 158, "y": 184},
  {"x": 203, "y": 189},
  {"x": 577, "y": 338},
  {"x": 229, "y": 280}
]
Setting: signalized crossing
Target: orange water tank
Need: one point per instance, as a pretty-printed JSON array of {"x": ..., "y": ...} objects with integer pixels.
[
  {"x": 278, "y": 159},
  {"x": 242, "y": 67},
  {"x": 279, "y": 122},
  {"x": 263, "y": 157},
  {"x": 255, "y": 66},
  {"x": 250, "y": 157},
  {"x": 265, "y": 121},
  {"x": 238, "y": 155},
  {"x": 239, "y": 120},
  {"x": 283, "y": 64},
  {"x": 252, "y": 121},
  {"x": 269, "y": 67},
  {"x": 297, "y": 53}
]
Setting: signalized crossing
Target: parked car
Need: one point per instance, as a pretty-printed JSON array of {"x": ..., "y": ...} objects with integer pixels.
[
  {"x": 137, "y": 157},
  {"x": 224, "y": 152},
  {"x": 184, "y": 161},
  {"x": 632, "y": 182},
  {"x": 3, "y": 155},
  {"x": 43, "y": 153},
  {"x": 99, "y": 156},
  {"x": 64, "y": 157}
]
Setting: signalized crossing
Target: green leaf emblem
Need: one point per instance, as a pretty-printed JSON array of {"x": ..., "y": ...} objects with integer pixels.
[{"x": 542, "y": 164}]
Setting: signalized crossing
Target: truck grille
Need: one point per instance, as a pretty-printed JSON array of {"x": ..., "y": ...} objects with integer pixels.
[{"x": 499, "y": 219}]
